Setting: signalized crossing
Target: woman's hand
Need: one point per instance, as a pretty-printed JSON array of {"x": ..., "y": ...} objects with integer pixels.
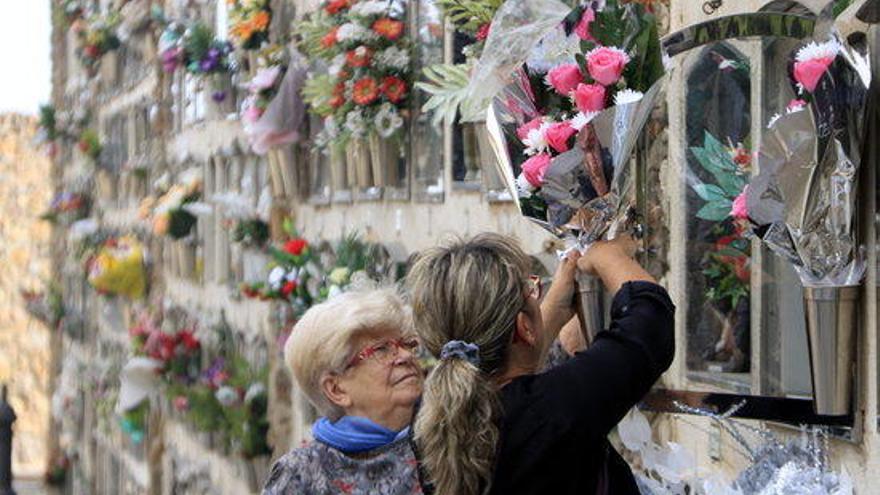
[
  {"x": 621, "y": 247},
  {"x": 613, "y": 262}
]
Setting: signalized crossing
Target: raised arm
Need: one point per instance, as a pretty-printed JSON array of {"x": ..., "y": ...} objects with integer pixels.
[
  {"x": 591, "y": 392},
  {"x": 612, "y": 262},
  {"x": 556, "y": 308}
]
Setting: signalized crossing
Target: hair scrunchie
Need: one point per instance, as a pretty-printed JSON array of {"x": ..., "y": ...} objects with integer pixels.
[{"x": 461, "y": 350}]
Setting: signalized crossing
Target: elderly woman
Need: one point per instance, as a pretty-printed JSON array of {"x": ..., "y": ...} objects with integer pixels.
[
  {"x": 354, "y": 357},
  {"x": 489, "y": 420}
]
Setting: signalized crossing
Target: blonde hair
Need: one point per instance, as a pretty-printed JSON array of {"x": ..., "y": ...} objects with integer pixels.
[
  {"x": 470, "y": 290},
  {"x": 321, "y": 341}
]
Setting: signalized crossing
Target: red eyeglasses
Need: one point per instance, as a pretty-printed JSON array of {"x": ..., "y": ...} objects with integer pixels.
[{"x": 386, "y": 351}]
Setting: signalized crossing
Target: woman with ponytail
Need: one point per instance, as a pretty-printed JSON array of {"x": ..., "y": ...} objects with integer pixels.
[{"x": 489, "y": 420}]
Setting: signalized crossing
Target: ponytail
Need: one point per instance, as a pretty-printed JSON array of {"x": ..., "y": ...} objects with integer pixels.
[{"x": 456, "y": 428}]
